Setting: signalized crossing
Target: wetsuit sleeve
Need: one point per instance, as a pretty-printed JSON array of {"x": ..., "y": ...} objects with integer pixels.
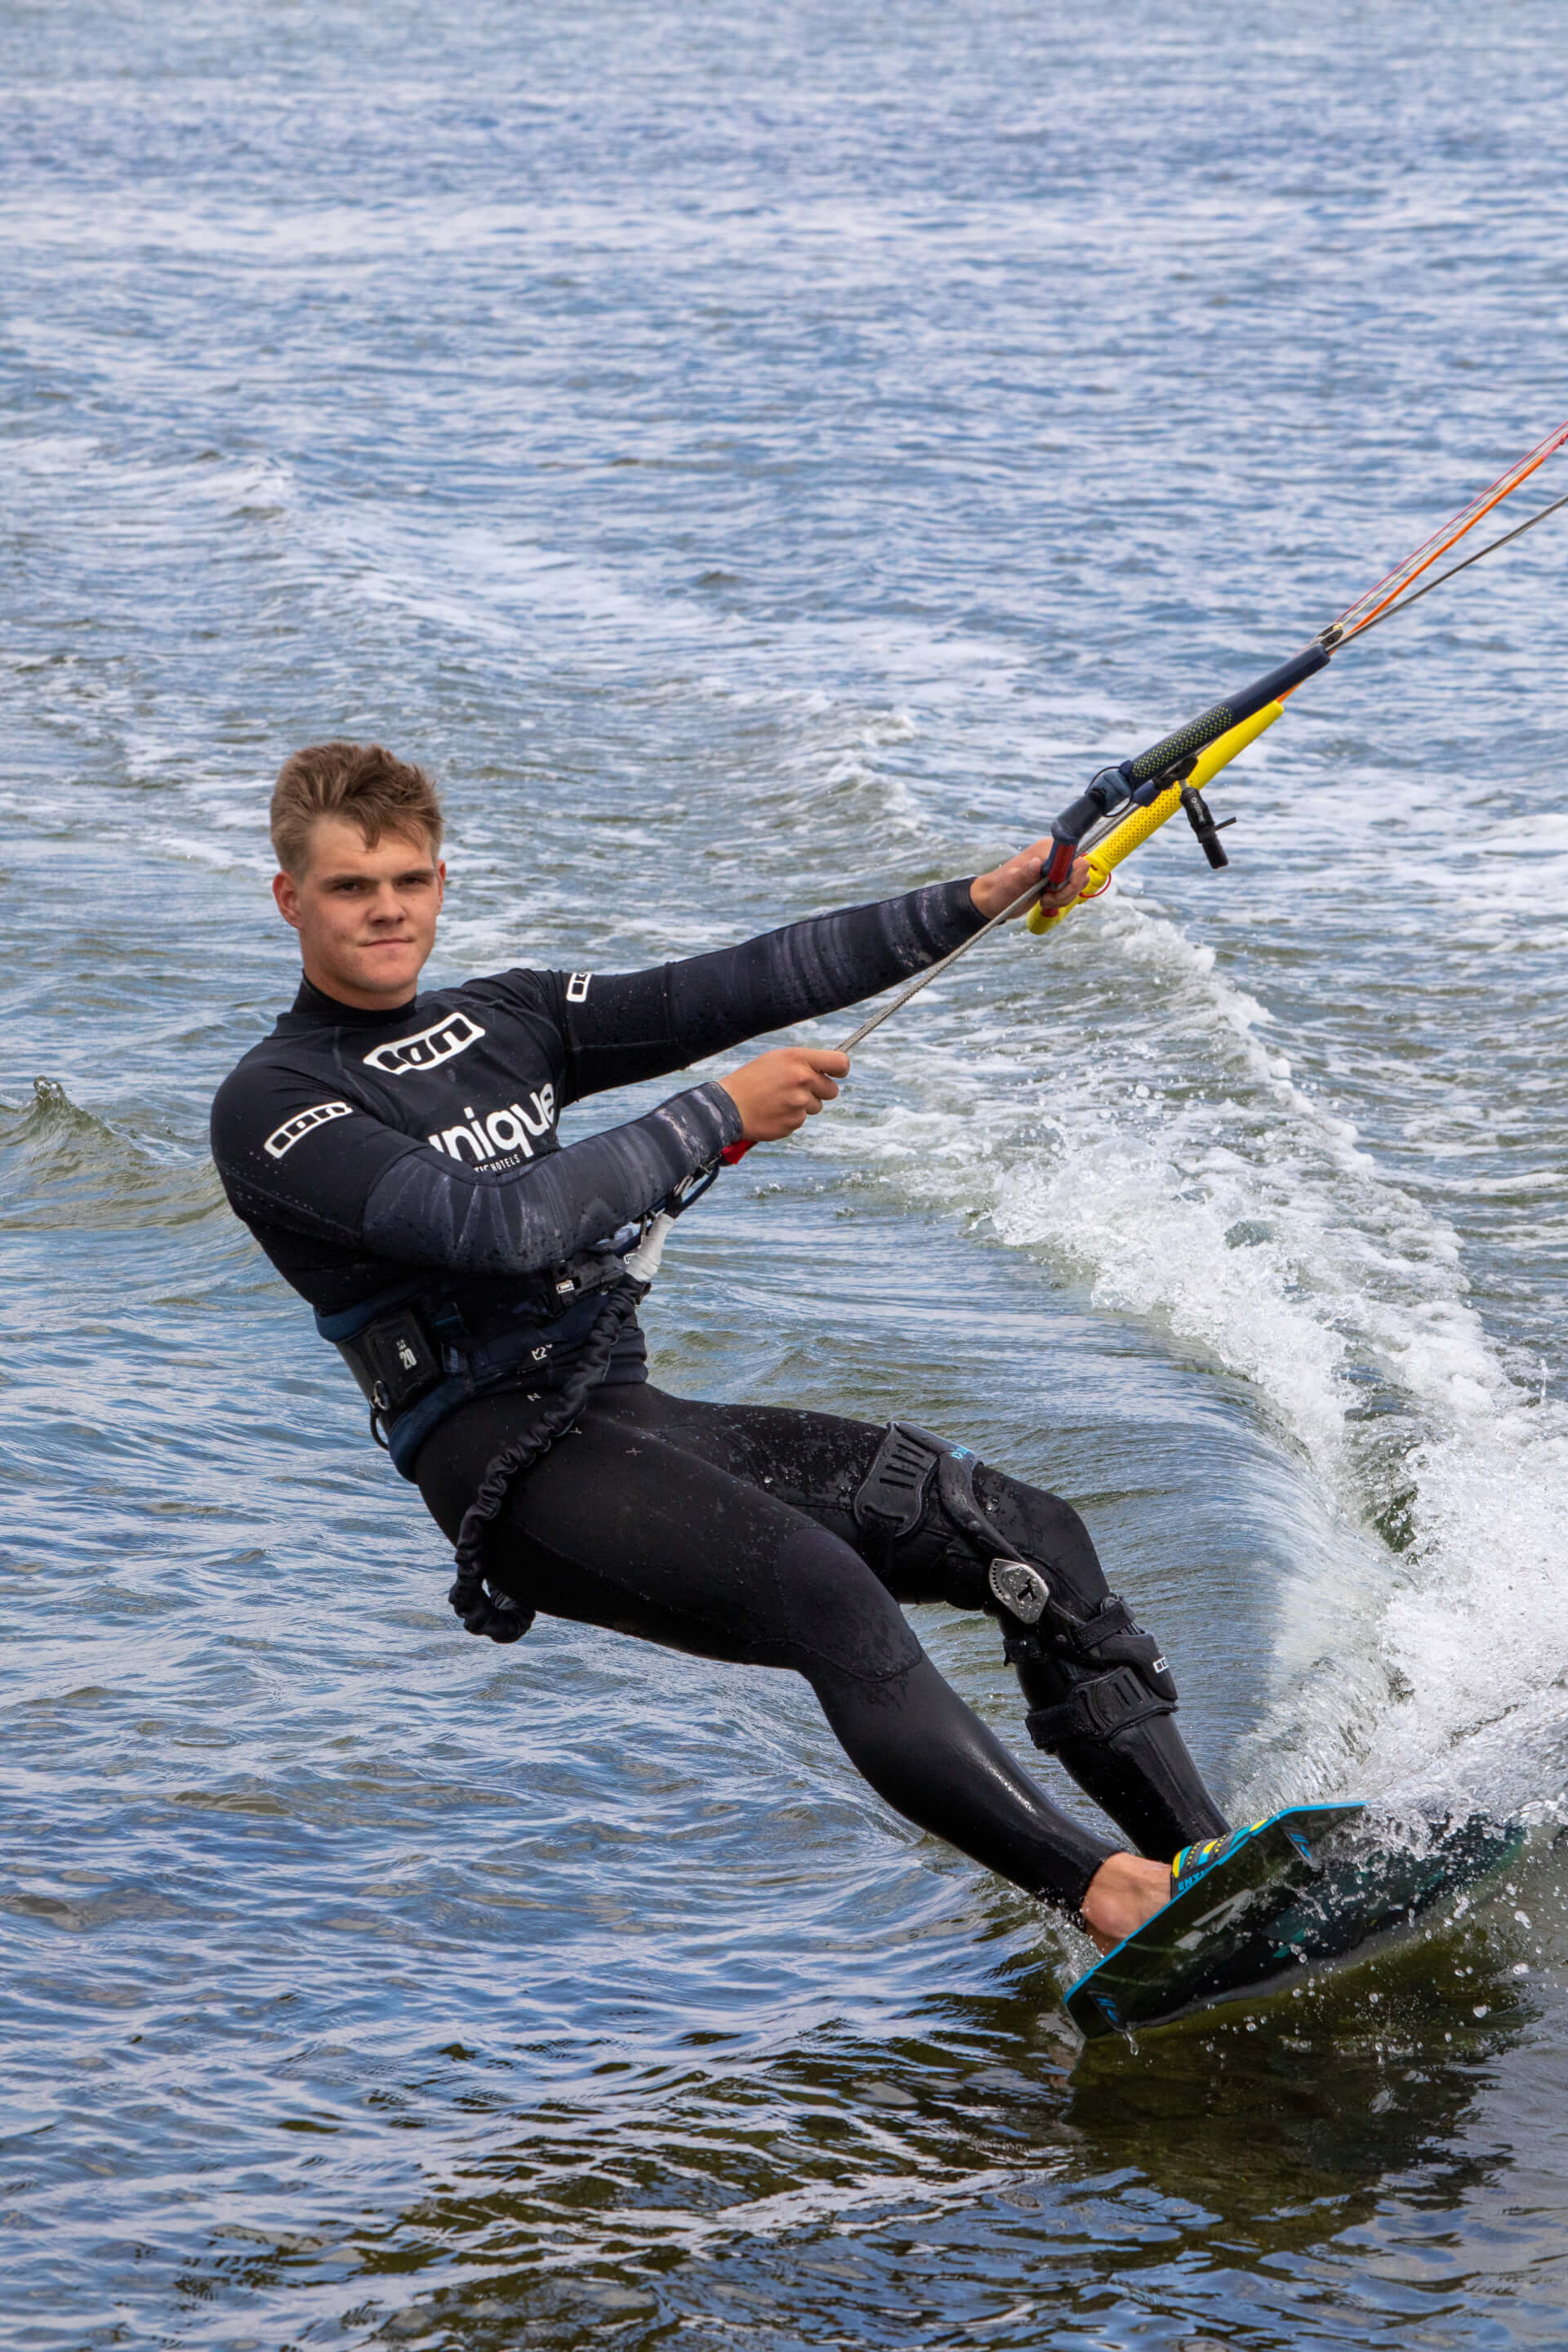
[
  {"x": 333, "y": 1170},
  {"x": 622, "y": 1026}
]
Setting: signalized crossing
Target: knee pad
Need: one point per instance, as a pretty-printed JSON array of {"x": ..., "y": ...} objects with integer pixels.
[
  {"x": 1109, "y": 1671},
  {"x": 894, "y": 1499}
]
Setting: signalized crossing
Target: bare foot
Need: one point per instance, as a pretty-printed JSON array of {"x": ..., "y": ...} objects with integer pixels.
[{"x": 1122, "y": 1894}]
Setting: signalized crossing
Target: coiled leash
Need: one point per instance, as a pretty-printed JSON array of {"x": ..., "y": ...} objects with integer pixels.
[{"x": 482, "y": 1606}]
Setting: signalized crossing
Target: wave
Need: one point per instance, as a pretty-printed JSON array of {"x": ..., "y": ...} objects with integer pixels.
[
  {"x": 1186, "y": 1179},
  {"x": 62, "y": 1169}
]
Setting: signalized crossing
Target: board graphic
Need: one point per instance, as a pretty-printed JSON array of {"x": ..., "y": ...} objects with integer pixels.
[{"x": 1311, "y": 1883}]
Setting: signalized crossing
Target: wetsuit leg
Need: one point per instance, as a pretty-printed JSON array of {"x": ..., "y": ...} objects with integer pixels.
[
  {"x": 623, "y": 1525},
  {"x": 1109, "y": 1723}
]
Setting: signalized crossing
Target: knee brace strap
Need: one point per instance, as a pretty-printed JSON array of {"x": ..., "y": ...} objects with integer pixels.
[
  {"x": 1097, "y": 1710},
  {"x": 1110, "y": 1637},
  {"x": 890, "y": 1503},
  {"x": 891, "y": 1496}
]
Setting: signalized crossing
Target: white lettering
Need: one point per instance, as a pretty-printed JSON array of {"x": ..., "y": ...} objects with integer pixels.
[
  {"x": 293, "y": 1130},
  {"x": 507, "y": 1133},
  {"x": 427, "y": 1048},
  {"x": 492, "y": 1135},
  {"x": 544, "y": 1101}
]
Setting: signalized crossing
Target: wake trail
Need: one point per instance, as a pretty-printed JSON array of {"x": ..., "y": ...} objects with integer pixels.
[{"x": 1191, "y": 1183}]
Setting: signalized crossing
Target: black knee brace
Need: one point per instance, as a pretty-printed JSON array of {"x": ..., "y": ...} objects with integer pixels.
[
  {"x": 1099, "y": 1692},
  {"x": 1121, "y": 1677}
]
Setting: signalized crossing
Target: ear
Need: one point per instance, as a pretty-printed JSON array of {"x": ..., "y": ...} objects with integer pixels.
[{"x": 286, "y": 892}]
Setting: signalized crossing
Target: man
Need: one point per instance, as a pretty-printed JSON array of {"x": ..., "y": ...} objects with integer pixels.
[{"x": 397, "y": 1158}]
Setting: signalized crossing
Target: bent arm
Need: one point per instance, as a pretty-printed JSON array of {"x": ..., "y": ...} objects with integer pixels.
[
  {"x": 336, "y": 1171},
  {"x": 645, "y": 1024},
  {"x": 425, "y": 1211}
]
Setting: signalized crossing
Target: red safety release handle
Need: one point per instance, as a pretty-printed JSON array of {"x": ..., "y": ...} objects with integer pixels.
[
  {"x": 1058, "y": 866},
  {"x": 733, "y": 1153}
]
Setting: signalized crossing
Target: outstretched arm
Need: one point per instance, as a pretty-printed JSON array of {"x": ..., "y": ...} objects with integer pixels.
[
  {"x": 780, "y": 1091},
  {"x": 637, "y": 1025}
]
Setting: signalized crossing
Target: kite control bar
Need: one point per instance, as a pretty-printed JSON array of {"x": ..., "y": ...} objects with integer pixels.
[
  {"x": 1121, "y": 809},
  {"x": 1115, "y": 838},
  {"x": 1122, "y": 806},
  {"x": 1170, "y": 763}
]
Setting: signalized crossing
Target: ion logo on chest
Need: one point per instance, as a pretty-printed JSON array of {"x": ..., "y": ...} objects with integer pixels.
[
  {"x": 428, "y": 1049},
  {"x": 499, "y": 1135}
]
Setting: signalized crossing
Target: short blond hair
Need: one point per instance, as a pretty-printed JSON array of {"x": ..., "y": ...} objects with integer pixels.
[{"x": 361, "y": 782}]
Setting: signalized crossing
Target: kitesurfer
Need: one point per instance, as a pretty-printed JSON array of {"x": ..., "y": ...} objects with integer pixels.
[{"x": 397, "y": 1158}]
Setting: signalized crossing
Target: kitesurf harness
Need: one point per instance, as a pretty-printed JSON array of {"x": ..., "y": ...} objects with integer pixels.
[
  {"x": 417, "y": 1354},
  {"x": 416, "y": 1357},
  {"x": 1117, "y": 1673}
]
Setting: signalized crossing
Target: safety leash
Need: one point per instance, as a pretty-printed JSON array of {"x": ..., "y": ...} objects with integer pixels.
[{"x": 483, "y": 1607}]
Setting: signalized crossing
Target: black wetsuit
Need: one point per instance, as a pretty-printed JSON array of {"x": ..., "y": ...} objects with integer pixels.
[{"x": 414, "y": 1156}]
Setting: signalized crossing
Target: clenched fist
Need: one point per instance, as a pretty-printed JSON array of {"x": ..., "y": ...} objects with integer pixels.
[
  {"x": 780, "y": 1091},
  {"x": 994, "y": 892}
]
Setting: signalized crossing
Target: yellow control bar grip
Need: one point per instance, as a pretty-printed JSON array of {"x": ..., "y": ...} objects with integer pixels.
[{"x": 1140, "y": 823}]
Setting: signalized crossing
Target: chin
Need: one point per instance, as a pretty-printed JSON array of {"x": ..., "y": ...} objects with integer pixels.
[{"x": 382, "y": 981}]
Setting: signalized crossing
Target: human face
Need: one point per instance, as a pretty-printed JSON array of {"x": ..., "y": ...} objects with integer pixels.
[{"x": 366, "y": 918}]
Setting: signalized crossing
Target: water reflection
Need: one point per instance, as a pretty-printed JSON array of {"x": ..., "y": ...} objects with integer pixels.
[{"x": 828, "y": 2189}]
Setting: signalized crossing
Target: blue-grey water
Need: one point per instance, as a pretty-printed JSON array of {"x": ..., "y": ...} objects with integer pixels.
[{"x": 759, "y": 458}]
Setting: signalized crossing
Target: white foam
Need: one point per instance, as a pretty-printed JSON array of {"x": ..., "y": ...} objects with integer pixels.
[{"x": 1177, "y": 1171}]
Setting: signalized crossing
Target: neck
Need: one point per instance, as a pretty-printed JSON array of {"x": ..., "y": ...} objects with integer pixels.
[
  {"x": 361, "y": 1005},
  {"x": 361, "y": 1000}
]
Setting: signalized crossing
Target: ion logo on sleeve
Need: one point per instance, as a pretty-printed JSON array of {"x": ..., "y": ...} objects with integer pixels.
[
  {"x": 283, "y": 1139},
  {"x": 427, "y": 1050}
]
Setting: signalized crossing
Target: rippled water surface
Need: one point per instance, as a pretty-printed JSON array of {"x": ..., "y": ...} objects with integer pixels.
[{"x": 760, "y": 458}]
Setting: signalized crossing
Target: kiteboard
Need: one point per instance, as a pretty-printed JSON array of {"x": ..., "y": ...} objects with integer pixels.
[{"x": 1301, "y": 1886}]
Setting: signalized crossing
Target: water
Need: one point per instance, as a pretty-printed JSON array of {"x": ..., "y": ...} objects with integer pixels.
[{"x": 759, "y": 458}]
